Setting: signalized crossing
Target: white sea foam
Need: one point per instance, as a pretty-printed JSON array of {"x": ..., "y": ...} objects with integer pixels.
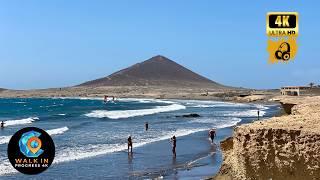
[
  {"x": 145, "y": 100},
  {"x": 208, "y": 104},
  {"x": 6, "y": 139},
  {"x": 163, "y": 101},
  {"x": 81, "y": 98},
  {"x": 133, "y": 113},
  {"x": 204, "y": 106},
  {"x": 93, "y": 150},
  {"x": 261, "y": 107},
  {"x": 57, "y": 130},
  {"x": 82, "y": 152},
  {"x": 20, "y": 121},
  {"x": 219, "y": 105},
  {"x": 141, "y": 100},
  {"x": 247, "y": 113},
  {"x": 6, "y": 167},
  {"x": 191, "y": 163},
  {"x": 218, "y": 123},
  {"x": 90, "y": 150},
  {"x": 19, "y": 102},
  {"x": 233, "y": 122}
]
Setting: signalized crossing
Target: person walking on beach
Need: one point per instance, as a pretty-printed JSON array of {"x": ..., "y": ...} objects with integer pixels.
[
  {"x": 2, "y": 124},
  {"x": 146, "y": 125},
  {"x": 129, "y": 144},
  {"x": 212, "y": 134},
  {"x": 258, "y": 114},
  {"x": 174, "y": 145}
]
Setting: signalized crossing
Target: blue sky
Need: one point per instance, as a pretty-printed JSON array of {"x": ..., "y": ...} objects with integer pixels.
[{"x": 62, "y": 43}]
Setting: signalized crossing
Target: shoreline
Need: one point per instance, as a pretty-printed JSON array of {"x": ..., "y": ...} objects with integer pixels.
[
  {"x": 190, "y": 171},
  {"x": 284, "y": 147},
  {"x": 156, "y": 92},
  {"x": 208, "y": 172}
]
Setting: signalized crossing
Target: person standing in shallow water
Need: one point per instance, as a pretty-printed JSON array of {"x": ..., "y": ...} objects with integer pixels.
[
  {"x": 174, "y": 145},
  {"x": 146, "y": 125},
  {"x": 258, "y": 114},
  {"x": 2, "y": 124},
  {"x": 212, "y": 134},
  {"x": 129, "y": 144}
]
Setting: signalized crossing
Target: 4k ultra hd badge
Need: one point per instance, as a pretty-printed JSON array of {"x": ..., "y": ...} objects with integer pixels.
[
  {"x": 31, "y": 150},
  {"x": 282, "y": 30}
]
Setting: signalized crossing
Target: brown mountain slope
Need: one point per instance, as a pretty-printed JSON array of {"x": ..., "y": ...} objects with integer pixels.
[{"x": 156, "y": 71}]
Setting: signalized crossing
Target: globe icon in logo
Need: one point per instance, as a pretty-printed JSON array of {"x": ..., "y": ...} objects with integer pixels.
[{"x": 30, "y": 144}]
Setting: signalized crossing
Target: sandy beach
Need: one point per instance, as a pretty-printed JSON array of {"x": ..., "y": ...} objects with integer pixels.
[{"x": 157, "y": 92}]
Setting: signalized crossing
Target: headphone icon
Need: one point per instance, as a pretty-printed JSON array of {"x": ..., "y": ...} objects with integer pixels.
[{"x": 281, "y": 54}]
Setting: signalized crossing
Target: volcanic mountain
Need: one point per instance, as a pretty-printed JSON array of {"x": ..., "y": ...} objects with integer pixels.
[{"x": 156, "y": 71}]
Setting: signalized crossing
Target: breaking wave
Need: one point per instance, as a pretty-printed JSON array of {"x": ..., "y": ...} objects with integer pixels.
[
  {"x": 57, "y": 130},
  {"x": 6, "y": 139},
  {"x": 20, "y": 121},
  {"x": 140, "y": 100},
  {"x": 19, "y": 102},
  {"x": 218, "y": 123},
  {"x": 133, "y": 113},
  {"x": 208, "y": 104},
  {"x": 247, "y": 113},
  {"x": 80, "y": 98}
]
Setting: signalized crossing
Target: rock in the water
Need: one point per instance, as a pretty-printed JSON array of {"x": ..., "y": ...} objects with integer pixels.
[{"x": 189, "y": 115}]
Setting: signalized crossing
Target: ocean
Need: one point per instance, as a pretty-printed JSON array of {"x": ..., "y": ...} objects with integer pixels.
[{"x": 90, "y": 136}]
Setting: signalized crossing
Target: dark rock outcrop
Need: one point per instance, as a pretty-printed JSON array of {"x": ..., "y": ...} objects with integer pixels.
[
  {"x": 287, "y": 107},
  {"x": 193, "y": 115}
]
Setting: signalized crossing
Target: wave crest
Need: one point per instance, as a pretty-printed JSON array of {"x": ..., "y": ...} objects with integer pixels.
[
  {"x": 20, "y": 121},
  {"x": 247, "y": 113},
  {"x": 134, "y": 113},
  {"x": 6, "y": 139},
  {"x": 57, "y": 130}
]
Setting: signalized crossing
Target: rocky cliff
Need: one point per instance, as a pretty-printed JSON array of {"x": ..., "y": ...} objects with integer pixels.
[{"x": 286, "y": 147}]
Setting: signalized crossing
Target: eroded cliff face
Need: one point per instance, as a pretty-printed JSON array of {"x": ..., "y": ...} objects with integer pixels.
[
  {"x": 286, "y": 147},
  {"x": 277, "y": 153}
]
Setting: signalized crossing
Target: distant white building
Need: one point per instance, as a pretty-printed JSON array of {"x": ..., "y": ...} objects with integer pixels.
[
  {"x": 299, "y": 90},
  {"x": 294, "y": 90}
]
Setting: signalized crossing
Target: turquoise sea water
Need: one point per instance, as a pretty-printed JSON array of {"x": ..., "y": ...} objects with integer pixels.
[{"x": 90, "y": 135}]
